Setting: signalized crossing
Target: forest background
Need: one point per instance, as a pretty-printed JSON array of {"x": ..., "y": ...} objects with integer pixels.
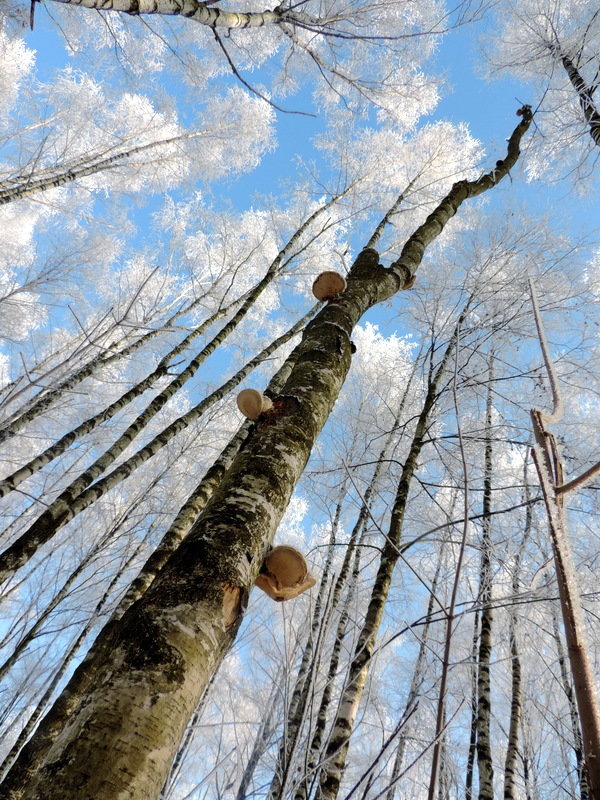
[{"x": 170, "y": 189}]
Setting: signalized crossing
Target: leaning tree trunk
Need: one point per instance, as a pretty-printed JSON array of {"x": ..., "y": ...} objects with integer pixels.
[
  {"x": 120, "y": 742},
  {"x": 36, "y": 750},
  {"x": 23, "y": 186},
  {"x": 64, "y": 667},
  {"x": 48, "y": 398},
  {"x": 76, "y": 498}
]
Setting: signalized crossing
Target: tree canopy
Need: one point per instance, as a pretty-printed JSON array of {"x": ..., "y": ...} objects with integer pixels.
[{"x": 173, "y": 179}]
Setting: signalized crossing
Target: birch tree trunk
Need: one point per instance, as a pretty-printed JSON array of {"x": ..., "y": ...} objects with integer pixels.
[
  {"x": 473, "y": 707},
  {"x": 263, "y": 737},
  {"x": 516, "y": 705},
  {"x": 42, "y": 705},
  {"x": 34, "y": 753},
  {"x": 120, "y": 742},
  {"x": 484, "y": 695},
  {"x": 200, "y": 12},
  {"x": 585, "y": 93},
  {"x": 298, "y": 702},
  {"x": 106, "y": 355},
  {"x": 334, "y": 766},
  {"x": 415, "y": 688},
  {"x": 75, "y": 498},
  {"x": 102, "y": 360},
  {"x": 313, "y": 749},
  {"x": 25, "y": 185}
]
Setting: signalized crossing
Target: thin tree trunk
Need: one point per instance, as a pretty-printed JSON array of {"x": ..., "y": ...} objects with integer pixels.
[
  {"x": 63, "y": 592},
  {"x": 66, "y": 663},
  {"x": 473, "y": 731},
  {"x": 352, "y": 552},
  {"x": 263, "y": 738},
  {"x": 54, "y": 451},
  {"x": 573, "y": 715},
  {"x": 333, "y": 769},
  {"x": 190, "y": 9},
  {"x": 415, "y": 688},
  {"x": 516, "y": 704},
  {"x": 102, "y": 360},
  {"x": 484, "y": 696},
  {"x": 585, "y": 93},
  {"x": 105, "y": 355},
  {"x": 162, "y": 654},
  {"x": 314, "y": 753},
  {"x": 552, "y": 482},
  {"x": 26, "y": 186},
  {"x": 296, "y": 711}
]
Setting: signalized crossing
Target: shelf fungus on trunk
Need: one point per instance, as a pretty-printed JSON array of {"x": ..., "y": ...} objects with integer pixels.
[
  {"x": 328, "y": 285},
  {"x": 284, "y": 574},
  {"x": 252, "y": 403}
]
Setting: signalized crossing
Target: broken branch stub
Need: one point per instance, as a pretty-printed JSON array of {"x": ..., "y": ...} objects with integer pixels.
[{"x": 284, "y": 574}]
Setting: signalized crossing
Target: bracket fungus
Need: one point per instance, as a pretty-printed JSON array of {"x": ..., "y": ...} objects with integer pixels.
[
  {"x": 252, "y": 403},
  {"x": 328, "y": 285},
  {"x": 284, "y": 574}
]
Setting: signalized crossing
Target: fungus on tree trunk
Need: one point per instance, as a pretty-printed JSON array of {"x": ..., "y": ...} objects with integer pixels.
[
  {"x": 284, "y": 574},
  {"x": 252, "y": 403},
  {"x": 328, "y": 285}
]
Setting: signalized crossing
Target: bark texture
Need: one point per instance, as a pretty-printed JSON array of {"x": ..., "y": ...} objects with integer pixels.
[
  {"x": 119, "y": 742},
  {"x": 34, "y": 753},
  {"x": 203, "y": 13}
]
